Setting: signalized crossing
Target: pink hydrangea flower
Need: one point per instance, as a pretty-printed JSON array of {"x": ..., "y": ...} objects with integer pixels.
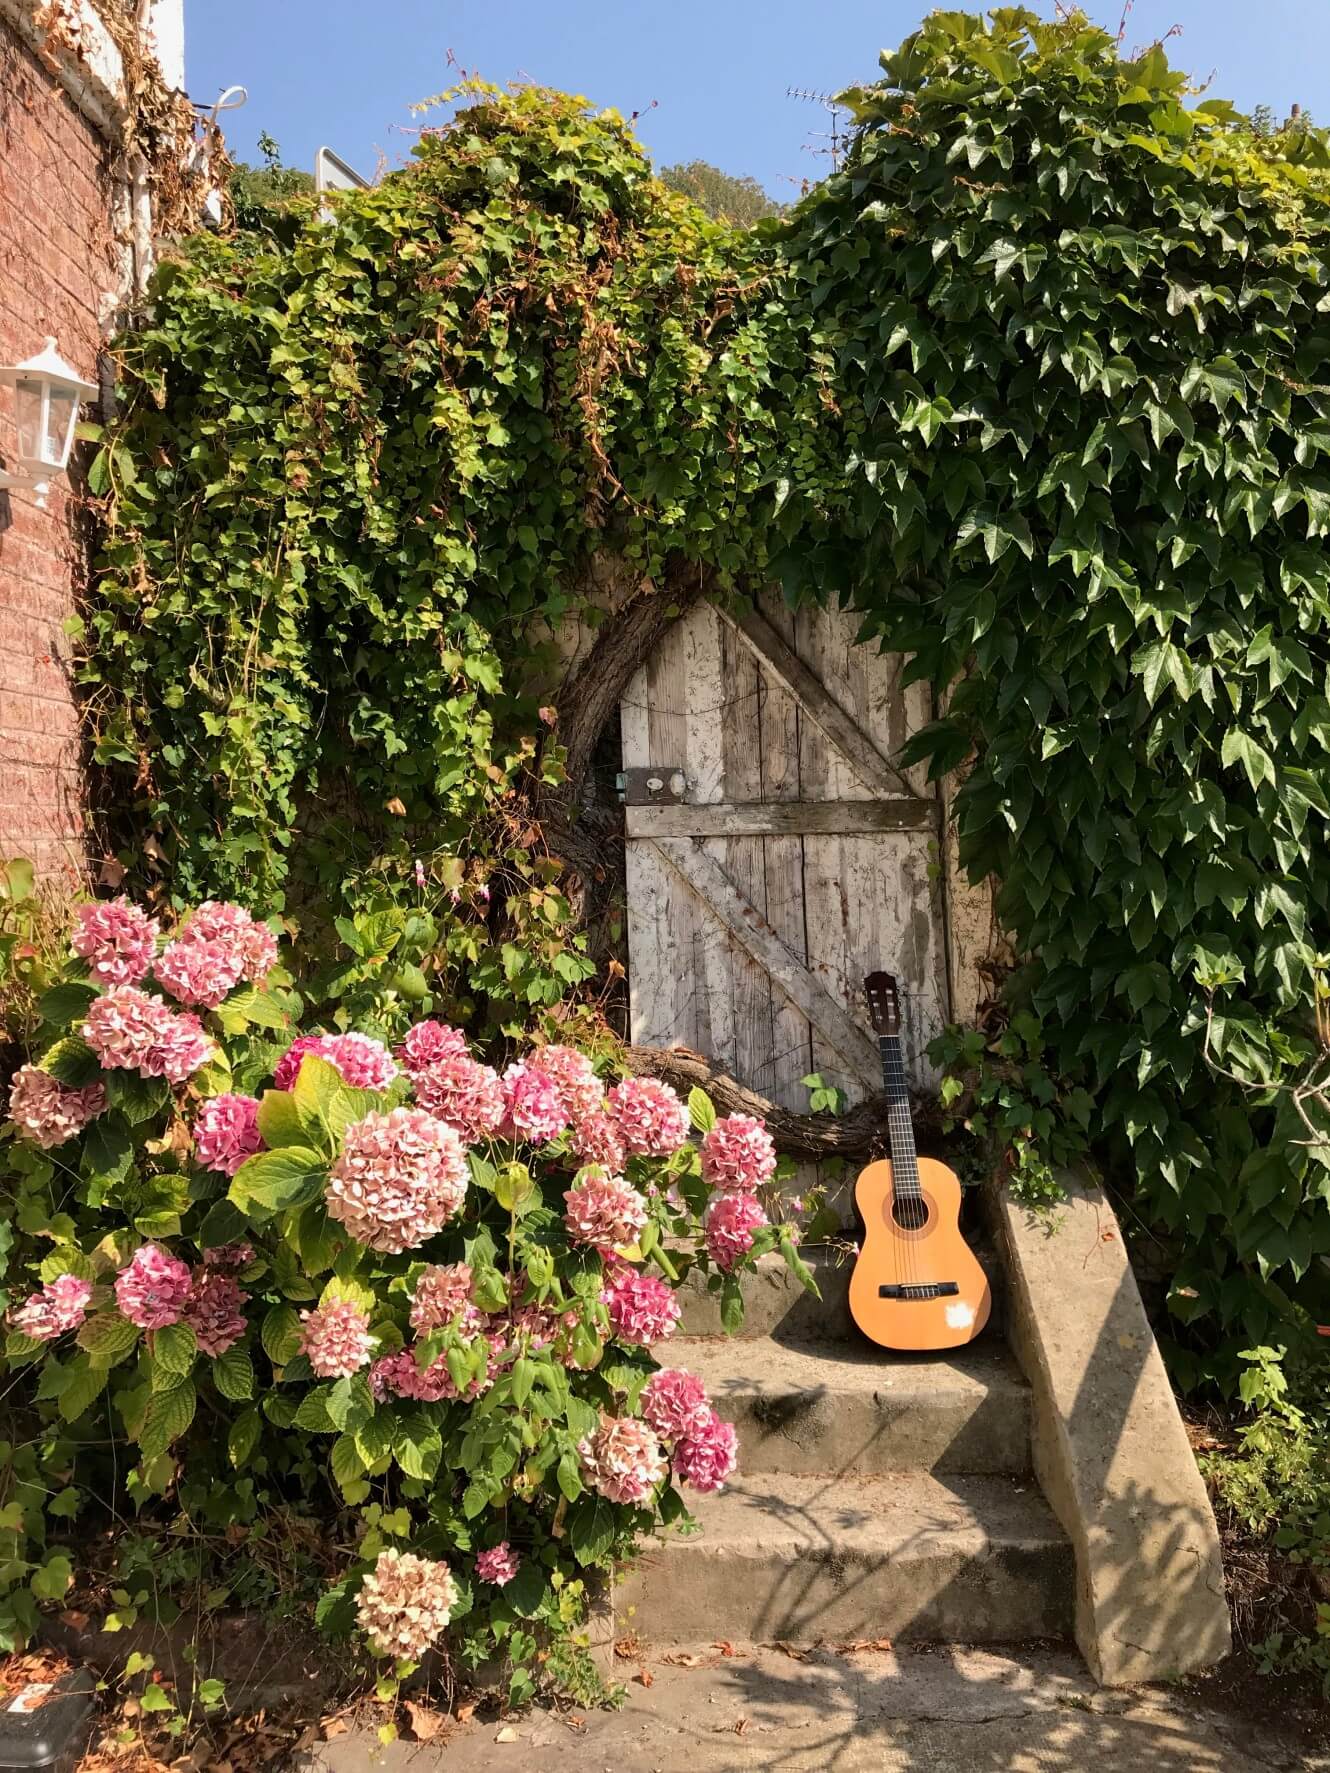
[
  {"x": 738, "y": 1156},
  {"x": 441, "y": 1292},
  {"x": 731, "y": 1220},
  {"x": 399, "y": 1375},
  {"x": 198, "y": 972},
  {"x": 675, "y": 1403},
  {"x": 573, "y": 1076},
  {"x": 122, "y": 1028},
  {"x": 47, "y": 1112},
  {"x": 404, "y": 1604},
  {"x": 468, "y": 1095},
  {"x": 227, "y": 1132},
  {"x": 60, "y": 1305},
  {"x": 428, "y": 1042},
  {"x": 597, "y": 1140},
  {"x": 604, "y": 1211},
  {"x": 130, "y": 1031},
  {"x": 116, "y": 939},
  {"x": 364, "y": 1063},
  {"x": 229, "y": 1256},
  {"x": 154, "y": 1289},
  {"x": 336, "y": 1339},
  {"x": 653, "y": 1122},
  {"x": 622, "y": 1461},
  {"x": 498, "y": 1565},
  {"x": 231, "y": 927},
  {"x": 398, "y": 1180},
  {"x": 642, "y": 1308},
  {"x": 533, "y": 1108},
  {"x": 706, "y": 1457},
  {"x": 214, "y": 1311}
]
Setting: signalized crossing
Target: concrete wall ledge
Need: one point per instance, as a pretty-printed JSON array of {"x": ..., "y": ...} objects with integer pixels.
[
  {"x": 1110, "y": 1450},
  {"x": 70, "y": 37}
]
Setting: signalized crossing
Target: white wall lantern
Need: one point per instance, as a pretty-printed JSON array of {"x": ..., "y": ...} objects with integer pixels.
[{"x": 47, "y": 392}]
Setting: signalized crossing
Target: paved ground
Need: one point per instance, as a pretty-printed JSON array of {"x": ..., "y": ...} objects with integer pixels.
[{"x": 919, "y": 1711}]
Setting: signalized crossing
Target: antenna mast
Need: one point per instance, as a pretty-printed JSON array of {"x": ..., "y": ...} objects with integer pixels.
[{"x": 835, "y": 135}]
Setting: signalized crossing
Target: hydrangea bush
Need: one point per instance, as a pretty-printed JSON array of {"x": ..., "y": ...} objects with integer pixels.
[{"x": 418, "y": 1295}]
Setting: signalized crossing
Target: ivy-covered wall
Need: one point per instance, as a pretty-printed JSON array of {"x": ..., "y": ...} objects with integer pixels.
[{"x": 1033, "y": 382}]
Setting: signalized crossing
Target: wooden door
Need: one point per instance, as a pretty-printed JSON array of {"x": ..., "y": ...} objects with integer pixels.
[{"x": 776, "y": 854}]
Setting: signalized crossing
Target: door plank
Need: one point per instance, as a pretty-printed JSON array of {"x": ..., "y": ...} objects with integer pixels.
[
  {"x": 781, "y": 660},
  {"x": 741, "y": 856},
  {"x": 705, "y": 694},
  {"x": 679, "y": 986},
  {"x": 717, "y": 893},
  {"x": 793, "y": 818}
]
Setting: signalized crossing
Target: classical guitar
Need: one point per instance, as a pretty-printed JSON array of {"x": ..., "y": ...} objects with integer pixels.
[{"x": 916, "y": 1283}]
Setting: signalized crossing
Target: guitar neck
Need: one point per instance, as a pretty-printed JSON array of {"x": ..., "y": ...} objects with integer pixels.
[{"x": 900, "y": 1123}]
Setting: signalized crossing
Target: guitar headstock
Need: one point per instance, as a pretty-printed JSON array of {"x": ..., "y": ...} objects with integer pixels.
[{"x": 884, "y": 1007}]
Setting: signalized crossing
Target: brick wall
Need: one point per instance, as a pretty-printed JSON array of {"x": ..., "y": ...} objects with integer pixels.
[{"x": 57, "y": 275}]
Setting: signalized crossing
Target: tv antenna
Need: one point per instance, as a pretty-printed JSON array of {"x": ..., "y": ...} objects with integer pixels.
[{"x": 835, "y": 136}]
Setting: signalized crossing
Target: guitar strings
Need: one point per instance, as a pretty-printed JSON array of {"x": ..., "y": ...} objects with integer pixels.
[{"x": 903, "y": 1165}]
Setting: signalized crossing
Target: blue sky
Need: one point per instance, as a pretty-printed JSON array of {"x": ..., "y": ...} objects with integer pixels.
[{"x": 708, "y": 76}]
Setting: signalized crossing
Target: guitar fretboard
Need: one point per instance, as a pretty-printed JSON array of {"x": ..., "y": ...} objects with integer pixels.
[{"x": 900, "y": 1125}]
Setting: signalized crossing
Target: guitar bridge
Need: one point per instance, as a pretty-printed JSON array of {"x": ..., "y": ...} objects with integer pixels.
[{"x": 923, "y": 1290}]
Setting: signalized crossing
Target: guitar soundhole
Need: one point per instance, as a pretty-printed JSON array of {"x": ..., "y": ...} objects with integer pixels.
[{"x": 909, "y": 1212}]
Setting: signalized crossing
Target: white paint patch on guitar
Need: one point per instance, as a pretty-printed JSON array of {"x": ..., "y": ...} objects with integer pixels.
[{"x": 960, "y": 1315}]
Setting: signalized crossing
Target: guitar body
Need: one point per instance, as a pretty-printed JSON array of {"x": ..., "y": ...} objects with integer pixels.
[{"x": 914, "y": 1242}]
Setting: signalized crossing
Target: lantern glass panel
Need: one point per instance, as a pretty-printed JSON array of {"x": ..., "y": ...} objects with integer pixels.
[
  {"x": 61, "y": 411},
  {"x": 29, "y": 417}
]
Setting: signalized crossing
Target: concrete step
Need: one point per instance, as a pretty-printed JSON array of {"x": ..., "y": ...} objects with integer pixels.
[
  {"x": 776, "y": 1305},
  {"x": 809, "y": 1560},
  {"x": 850, "y": 1407}
]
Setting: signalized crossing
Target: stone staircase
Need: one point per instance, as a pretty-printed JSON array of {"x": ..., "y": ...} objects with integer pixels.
[{"x": 879, "y": 1496}]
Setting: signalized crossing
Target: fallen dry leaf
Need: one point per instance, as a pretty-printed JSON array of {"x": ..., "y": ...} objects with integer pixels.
[
  {"x": 725, "y": 1647},
  {"x": 791, "y": 1650},
  {"x": 740, "y": 1726},
  {"x": 686, "y": 1659},
  {"x": 857, "y": 1644},
  {"x": 425, "y": 1723},
  {"x": 465, "y": 1713},
  {"x": 507, "y": 1734},
  {"x": 628, "y": 1649},
  {"x": 333, "y": 1727},
  {"x": 645, "y": 1676}
]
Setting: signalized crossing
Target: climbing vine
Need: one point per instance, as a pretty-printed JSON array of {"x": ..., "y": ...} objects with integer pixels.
[
  {"x": 1034, "y": 382},
  {"x": 1081, "y": 331}
]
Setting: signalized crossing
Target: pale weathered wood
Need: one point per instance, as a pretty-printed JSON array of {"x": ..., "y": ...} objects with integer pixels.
[
  {"x": 859, "y": 1133},
  {"x": 873, "y": 770},
  {"x": 777, "y": 818},
  {"x": 828, "y": 1017},
  {"x": 783, "y": 857},
  {"x": 705, "y": 693},
  {"x": 741, "y": 856},
  {"x": 789, "y": 848}
]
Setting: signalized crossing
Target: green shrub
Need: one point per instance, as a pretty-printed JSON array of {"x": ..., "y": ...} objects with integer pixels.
[{"x": 248, "y": 1326}]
